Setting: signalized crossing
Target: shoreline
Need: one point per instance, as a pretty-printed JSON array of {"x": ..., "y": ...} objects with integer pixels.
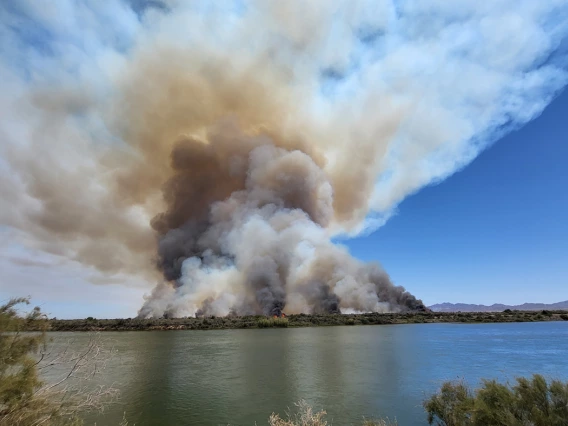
[{"x": 302, "y": 320}]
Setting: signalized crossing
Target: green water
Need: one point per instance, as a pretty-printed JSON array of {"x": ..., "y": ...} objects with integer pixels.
[{"x": 241, "y": 376}]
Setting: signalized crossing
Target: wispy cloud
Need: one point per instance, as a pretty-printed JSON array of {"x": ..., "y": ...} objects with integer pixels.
[{"x": 26, "y": 262}]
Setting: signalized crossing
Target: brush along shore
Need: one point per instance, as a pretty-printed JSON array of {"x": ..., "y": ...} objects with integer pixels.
[{"x": 301, "y": 320}]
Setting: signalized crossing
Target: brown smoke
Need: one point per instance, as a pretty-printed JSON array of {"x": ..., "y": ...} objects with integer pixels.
[
  {"x": 238, "y": 157},
  {"x": 219, "y": 155}
]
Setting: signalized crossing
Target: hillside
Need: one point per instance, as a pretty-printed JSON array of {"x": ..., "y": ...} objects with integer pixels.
[{"x": 497, "y": 307}]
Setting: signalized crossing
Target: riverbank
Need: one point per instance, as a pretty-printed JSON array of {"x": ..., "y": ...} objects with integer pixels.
[{"x": 302, "y": 320}]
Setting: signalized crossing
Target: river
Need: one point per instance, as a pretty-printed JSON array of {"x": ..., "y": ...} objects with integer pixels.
[{"x": 238, "y": 377}]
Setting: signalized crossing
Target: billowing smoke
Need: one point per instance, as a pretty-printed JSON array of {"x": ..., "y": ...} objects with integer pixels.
[
  {"x": 218, "y": 148},
  {"x": 246, "y": 232}
]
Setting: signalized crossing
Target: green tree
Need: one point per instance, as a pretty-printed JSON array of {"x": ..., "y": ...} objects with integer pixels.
[
  {"x": 25, "y": 399},
  {"x": 19, "y": 379},
  {"x": 531, "y": 402}
]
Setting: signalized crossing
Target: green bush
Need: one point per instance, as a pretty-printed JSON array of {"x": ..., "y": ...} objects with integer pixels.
[
  {"x": 529, "y": 402},
  {"x": 21, "y": 402},
  {"x": 25, "y": 400}
]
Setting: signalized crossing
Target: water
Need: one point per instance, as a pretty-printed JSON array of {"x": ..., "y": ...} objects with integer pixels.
[{"x": 241, "y": 376}]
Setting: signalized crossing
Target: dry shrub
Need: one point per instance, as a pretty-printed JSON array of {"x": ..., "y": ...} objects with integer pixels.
[{"x": 305, "y": 416}]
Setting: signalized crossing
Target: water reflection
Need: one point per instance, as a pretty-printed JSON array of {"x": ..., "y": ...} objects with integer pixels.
[{"x": 241, "y": 376}]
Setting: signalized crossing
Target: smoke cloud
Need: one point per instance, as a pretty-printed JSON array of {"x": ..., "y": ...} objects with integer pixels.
[
  {"x": 218, "y": 148},
  {"x": 245, "y": 231}
]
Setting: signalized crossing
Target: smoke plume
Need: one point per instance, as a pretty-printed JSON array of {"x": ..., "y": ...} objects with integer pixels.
[
  {"x": 218, "y": 148},
  {"x": 246, "y": 231}
]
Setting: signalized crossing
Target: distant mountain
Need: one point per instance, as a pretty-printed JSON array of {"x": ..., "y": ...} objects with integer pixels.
[{"x": 497, "y": 307}]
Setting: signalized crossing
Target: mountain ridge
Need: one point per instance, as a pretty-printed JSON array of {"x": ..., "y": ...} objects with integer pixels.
[{"x": 496, "y": 307}]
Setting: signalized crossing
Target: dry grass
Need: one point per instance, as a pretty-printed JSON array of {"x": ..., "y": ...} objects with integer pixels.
[
  {"x": 379, "y": 422},
  {"x": 305, "y": 415}
]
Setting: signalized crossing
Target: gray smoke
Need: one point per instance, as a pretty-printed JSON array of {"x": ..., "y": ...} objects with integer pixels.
[{"x": 245, "y": 232}]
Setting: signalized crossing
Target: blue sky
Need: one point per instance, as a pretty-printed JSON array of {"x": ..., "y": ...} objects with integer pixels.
[{"x": 497, "y": 231}]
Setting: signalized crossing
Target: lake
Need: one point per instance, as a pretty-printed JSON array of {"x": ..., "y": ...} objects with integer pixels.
[{"x": 238, "y": 377}]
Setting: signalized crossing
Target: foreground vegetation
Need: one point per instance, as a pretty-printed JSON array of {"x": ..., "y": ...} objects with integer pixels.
[
  {"x": 301, "y": 320},
  {"x": 25, "y": 400},
  {"x": 529, "y": 402},
  {"x": 304, "y": 415}
]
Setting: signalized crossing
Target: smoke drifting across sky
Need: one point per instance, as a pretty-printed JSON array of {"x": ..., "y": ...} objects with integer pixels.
[{"x": 217, "y": 147}]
